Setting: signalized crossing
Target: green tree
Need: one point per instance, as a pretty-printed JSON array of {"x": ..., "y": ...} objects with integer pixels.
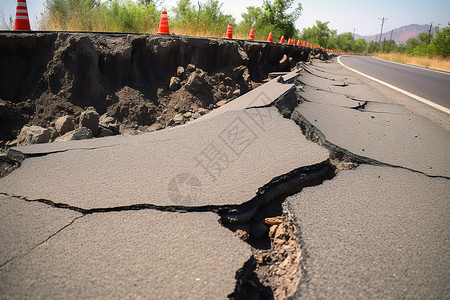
[
  {"x": 372, "y": 47},
  {"x": 345, "y": 42},
  {"x": 360, "y": 45},
  {"x": 441, "y": 42},
  {"x": 275, "y": 17},
  {"x": 319, "y": 34}
]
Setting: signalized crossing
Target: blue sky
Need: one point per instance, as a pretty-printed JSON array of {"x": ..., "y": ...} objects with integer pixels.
[{"x": 343, "y": 15}]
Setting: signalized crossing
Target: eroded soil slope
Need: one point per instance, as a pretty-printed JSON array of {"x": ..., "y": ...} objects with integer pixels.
[{"x": 141, "y": 82}]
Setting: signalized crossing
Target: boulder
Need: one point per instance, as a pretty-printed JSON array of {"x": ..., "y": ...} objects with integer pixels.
[
  {"x": 174, "y": 83},
  {"x": 180, "y": 72},
  {"x": 104, "y": 131},
  {"x": 178, "y": 119},
  {"x": 190, "y": 68},
  {"x": 195, "y": 83},
  {"x": 221, "y": 102},
  {"x": 90, "y": 119},
  {"x": 109, "y": 122},
  {"x": 64, "y": 124},
  {"x": 33, "y": 135},
  {"x": 81, "y": 133}
]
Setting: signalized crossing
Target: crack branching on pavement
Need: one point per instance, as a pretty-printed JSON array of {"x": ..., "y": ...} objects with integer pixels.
[{"x": 41, "y": 243}]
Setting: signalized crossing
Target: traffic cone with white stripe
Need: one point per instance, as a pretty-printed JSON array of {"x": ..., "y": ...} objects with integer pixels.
[
  {"x": 282, "y": 39},
  {"x": 270, "y": 38},
  {"x": 22, "y": 22},
  {"x": 252, "y": 34},
  {"x": 163, "y": 24},
  {"x": 229, "y": 31}
]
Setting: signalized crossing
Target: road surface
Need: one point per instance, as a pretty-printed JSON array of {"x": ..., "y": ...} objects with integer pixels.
[
  {"x": 429, "y": 84},
  {"x": 382, "y": 230}
]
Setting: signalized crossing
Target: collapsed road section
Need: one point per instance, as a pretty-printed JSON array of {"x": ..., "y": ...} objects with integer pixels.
[{"x": 124, "y": 82}]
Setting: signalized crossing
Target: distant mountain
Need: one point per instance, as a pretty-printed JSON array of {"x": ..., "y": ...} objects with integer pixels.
[{"x": 399, "y": 35}]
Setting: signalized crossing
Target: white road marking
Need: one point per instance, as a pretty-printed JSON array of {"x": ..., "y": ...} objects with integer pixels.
[{"x": 418, "y": 98}]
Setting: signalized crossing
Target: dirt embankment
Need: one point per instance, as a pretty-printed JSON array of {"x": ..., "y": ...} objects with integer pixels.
[{"x": 141, "y": 82}]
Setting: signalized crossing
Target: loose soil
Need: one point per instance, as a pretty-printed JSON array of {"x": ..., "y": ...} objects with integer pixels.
[{"x": 142, "y": 81}]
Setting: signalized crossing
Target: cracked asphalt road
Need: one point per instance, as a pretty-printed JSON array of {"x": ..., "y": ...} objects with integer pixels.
[
  {"x": 136, "y": 216},
  {"x": 381, "y": 231},
  {"x": 139, "y": 216}
]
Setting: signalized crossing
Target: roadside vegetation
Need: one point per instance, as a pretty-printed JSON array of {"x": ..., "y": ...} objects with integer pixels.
[
  {"x": 428, "y": 50},
  {"x": 207, "y": 18}
]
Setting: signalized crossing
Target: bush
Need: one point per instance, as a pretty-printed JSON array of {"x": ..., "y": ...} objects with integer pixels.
[{"x": 92, "y": 15}]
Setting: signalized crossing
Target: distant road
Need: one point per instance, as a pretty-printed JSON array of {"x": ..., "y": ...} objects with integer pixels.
[{"x": 431, "y": 85}]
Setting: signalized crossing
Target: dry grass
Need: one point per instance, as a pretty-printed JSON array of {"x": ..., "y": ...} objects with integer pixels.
[{"x": 438, "y": 63}]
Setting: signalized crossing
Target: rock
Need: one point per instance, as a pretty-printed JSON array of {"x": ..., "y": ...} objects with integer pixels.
[
  {"x": 53, "y": 133},
  {"x": 180, "y": 72},
  {"x": 241, "y": 72},
  {"x": 228, "y": 81},
  {"x": 273, "y": 221},
  {"x": 64, "y": 124},
  {"x": 237, "y": 92},
  {"x": 284, "y": 64},
  {"x": 190, "y": 68},
  {"x": 33, "y": 135},
  {"x": 178, "y": 119},
  {"x": 81, "y": 133},
  {"x": 221, "y": 102},
  {"x": 242, "y": 234},
  {"x": 195, "y": 83},
  {"x": 202, "y": 111},
  {"x": 104, "y": 131},
  {"x": 109, "y": 122},
  {"x": 106, "y": 120},
  {"x": 187, "y": 115},
  {"x": 196, "y": 115},
  {"x": 90, "y": 119},
  {"x": 174, "y": 83}
]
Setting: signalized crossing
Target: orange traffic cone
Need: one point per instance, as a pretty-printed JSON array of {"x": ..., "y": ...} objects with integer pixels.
[
  {"x": 229, "y": 31},
  {"x": 289, "y": 41},
  {"x": 270, "y": 38},
  {"x": 22, "y": 22},
  {"x": 299, "y": 43},
  {"x": 163, "y": 24},
  {"x": 293, "y": 42},
  {"x": 282, "y": 40},
  {"x": 252, "y": 34}
]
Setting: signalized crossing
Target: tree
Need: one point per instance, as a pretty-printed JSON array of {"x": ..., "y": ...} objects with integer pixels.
[
  {"x": 373, "y": 47},
  {"x": 272, "y": 17},
  {"x": 360, "y": 45},
  {"x": 441, "y": 42},
  {"x": 345, "y": 42},
  {"x": 319, "y": 34}
]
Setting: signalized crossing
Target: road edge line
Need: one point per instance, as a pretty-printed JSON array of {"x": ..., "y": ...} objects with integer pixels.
[{"x": 418, "y": 98}]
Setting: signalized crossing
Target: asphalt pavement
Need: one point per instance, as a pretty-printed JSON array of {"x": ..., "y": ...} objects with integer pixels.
[
  {"x": 430, "y": 84},
  {"x": 135, "y": 216},
  {"x": 380, "y": 231}
]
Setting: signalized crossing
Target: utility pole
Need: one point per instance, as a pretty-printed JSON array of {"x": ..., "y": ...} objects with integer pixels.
[
  {"x": 382, "y": 23},
  {"x": 354, "y": 29},
  {"x": 429, "y": 33}
]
